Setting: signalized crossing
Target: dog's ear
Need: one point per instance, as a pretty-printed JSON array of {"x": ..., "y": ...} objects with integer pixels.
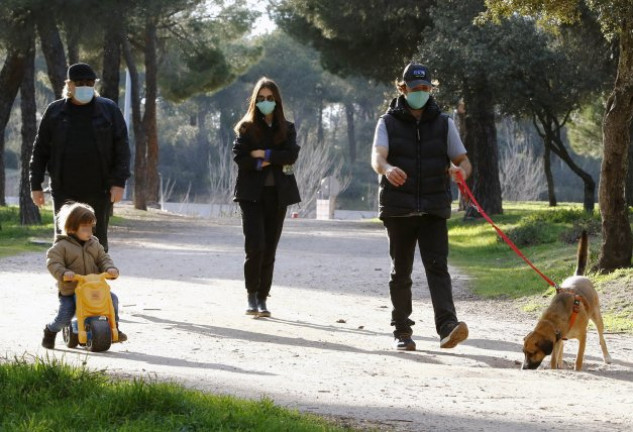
[{"x": 546, "y": 346}]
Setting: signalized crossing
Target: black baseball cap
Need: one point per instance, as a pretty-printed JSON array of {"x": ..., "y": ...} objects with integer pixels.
[
  {"x": 81, "y": 71},
  {"x": 415, "y": 75}
]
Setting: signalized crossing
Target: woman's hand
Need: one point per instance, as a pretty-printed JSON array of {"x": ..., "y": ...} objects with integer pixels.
[{"x": 258, "y": 154}]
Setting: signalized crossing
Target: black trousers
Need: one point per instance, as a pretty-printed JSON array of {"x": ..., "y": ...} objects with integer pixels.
[
  {"x": 262, "y": 223},
  {"x": 431, "y": 236},
  {"x": 102, "y": 206}
]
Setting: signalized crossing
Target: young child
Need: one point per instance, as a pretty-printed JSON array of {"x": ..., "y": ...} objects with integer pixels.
[{"x": 75, "y": 250}]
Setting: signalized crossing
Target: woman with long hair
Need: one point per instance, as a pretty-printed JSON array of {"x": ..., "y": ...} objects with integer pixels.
[{"x": 265, "y": 150}]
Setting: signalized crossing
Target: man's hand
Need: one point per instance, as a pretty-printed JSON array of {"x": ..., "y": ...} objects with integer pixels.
[
  {"x": 462, "y": 164},
  {"x": 38, "y": 198},
  {"x": 395, "y": 176},
  {"x": 113, "y": 272},
  {"x": 68, "y": 276},
  {"x": 116, "y": 194},
  {"x": 452, "y": 171},
  {"x": 258, "y": 154}
]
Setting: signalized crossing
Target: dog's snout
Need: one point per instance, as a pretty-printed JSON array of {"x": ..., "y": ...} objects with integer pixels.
[{"x": 529, "y": 365}]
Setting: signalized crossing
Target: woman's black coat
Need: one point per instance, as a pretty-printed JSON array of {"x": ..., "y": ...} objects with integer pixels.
[{"x": 250, "y": 176}]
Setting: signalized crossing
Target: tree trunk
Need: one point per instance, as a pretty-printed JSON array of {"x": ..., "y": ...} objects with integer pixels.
[
  {"x": 320, "y": 123},
  {"x": 547, "y": 166},
  {"x": 53, "y": 50},
  {"x": 29, "y": 213},
  {"x": 72, "y": 41},
  {"x": 617, "y": 239},
  {"x": 140, "y": 144},
  {"x": 559, "y": 149},
  {"x": 112, "y": 55},
  {"x": 351, "y": 133},
  {"x": 629, "y": 173},
  {"x": 481, "y": 144},
  {"x": 202, "y": 135},
  {"x": 10, "y": 81},
  {"x": 149, "y": 117}
]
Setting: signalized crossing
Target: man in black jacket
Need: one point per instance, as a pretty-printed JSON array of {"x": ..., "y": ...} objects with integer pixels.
[
  {"x": 82, "y": 142},
  {"x": 416, "y": 151}
]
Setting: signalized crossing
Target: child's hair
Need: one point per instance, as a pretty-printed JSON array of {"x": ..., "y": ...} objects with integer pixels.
[{"x": 74, "y": 214}]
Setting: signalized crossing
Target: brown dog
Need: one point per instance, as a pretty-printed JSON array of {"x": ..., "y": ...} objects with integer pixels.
[{"x": 566, "y": 318}]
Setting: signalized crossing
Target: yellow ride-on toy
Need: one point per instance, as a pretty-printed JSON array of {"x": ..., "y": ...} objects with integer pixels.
[{"x": 94, "y": 326}]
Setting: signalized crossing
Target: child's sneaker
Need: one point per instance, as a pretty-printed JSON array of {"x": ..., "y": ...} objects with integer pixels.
[
  {"x": 49, "y": 338},
  {"x": 122, "y": 336}
]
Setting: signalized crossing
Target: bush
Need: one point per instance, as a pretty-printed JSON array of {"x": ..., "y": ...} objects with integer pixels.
[
  {"x": 529, "y": 233},
  {"x": 561, "y": 216}
]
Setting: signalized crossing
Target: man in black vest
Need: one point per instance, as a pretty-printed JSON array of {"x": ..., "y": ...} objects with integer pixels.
[
  {"x": 82, "y": 142},
  {"x": 416, "y": 151}
]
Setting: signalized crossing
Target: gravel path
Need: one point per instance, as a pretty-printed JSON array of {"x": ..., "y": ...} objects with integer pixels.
[{"x": 327, "y": 348}]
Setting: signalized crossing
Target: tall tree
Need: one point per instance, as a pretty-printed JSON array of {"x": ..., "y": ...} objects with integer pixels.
[
  {"x": 615, "y": 17},
  {"x": 546, "y": 77},
  {"x": 16, "y": 23},
  {"x": 29, "y": 212},
  {"x": 149, "y": 116},
  {"x": 52, "y": 45},
  {"x": 203, "y": 58},
  {"x": 113, "y": 16},
  {"x": 140, "y": 153}
]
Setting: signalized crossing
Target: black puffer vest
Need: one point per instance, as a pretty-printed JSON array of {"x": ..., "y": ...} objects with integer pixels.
[{"x": 420, "y": 150}]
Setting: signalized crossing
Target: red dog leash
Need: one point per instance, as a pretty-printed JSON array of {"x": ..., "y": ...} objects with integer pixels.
[{"x": 465, "y": 190}]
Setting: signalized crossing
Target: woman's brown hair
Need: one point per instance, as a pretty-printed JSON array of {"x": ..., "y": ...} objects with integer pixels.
[
  {"x": 74, "y": 214},
  {"x": 250, "y": 123}
]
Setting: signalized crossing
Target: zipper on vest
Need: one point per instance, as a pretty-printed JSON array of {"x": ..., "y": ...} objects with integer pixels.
[{"x": 419, "y": 167}]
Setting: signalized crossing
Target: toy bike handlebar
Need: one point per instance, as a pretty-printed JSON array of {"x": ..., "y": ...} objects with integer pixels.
[{"x": 79, "y": 278}]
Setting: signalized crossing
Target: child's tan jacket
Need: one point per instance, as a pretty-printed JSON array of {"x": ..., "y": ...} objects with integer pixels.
[{"x": 68, "y": 254}]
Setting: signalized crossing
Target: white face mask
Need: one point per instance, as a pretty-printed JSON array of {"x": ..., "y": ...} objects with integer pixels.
[{"x": 84, "y": 94}]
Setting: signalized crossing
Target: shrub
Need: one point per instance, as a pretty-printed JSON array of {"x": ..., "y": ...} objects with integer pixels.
[{"x": 529, "y": 233}]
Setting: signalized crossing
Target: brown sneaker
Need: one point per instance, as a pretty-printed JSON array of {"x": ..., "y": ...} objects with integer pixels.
[
  {"x": 404, "y": 343},
  {"x": 454, "y": 334}
]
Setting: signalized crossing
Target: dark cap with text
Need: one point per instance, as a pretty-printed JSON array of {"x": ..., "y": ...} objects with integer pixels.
[
  {"x": 81, "y": 71},
  {"x": 415, "y": 75}
]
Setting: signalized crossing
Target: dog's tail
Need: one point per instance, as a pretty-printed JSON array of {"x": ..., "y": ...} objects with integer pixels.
[{"x": 583, "y": 252}]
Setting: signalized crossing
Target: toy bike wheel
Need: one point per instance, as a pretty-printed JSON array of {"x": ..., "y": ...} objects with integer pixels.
[
  {"x": 101, "y": 336},
  {"x": 70, "y": 339}
]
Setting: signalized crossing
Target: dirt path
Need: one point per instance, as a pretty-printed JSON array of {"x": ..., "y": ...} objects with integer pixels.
[{"x": 327, "y": 348}]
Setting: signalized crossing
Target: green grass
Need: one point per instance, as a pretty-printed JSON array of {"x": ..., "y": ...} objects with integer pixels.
[
  {"x": 52, "y": 396},
  {"x": 547, "y": 237},
  {"x": 16, "y": 238}
]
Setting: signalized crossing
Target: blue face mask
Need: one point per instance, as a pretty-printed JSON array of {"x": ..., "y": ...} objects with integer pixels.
[
  {"x": 84, "y": 94},
  {"x": 266, "y": 107},
  {"x": 417, "y": 99}
]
